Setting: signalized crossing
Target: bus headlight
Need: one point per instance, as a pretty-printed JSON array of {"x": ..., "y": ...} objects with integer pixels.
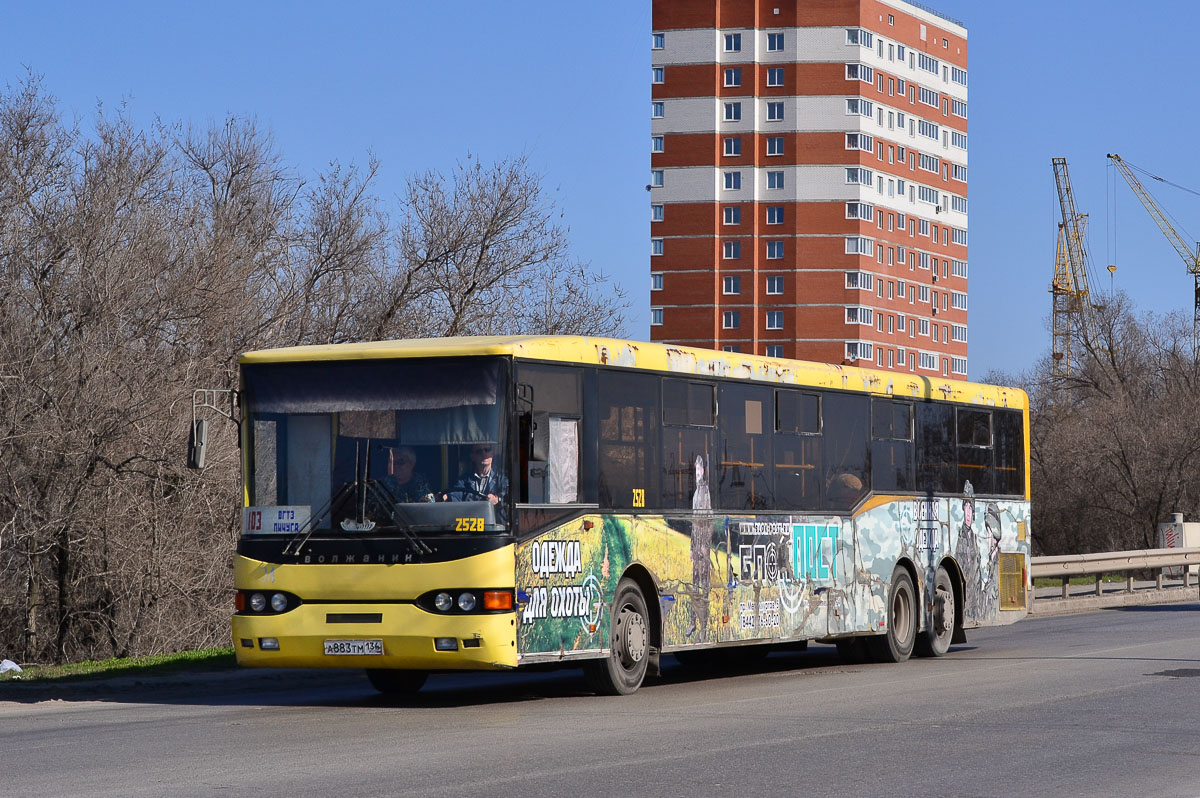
[
  {"x": 279, "y": 602},
  {"x": 466, "y": 601},
  {"x": 258, "y": 602},
  {"x": 444, "y": 602}
]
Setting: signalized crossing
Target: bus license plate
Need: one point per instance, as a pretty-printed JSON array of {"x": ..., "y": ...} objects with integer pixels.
[{"x": 340, "y": 647}]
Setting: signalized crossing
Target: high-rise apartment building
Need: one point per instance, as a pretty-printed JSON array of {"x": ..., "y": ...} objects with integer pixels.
[{"x": 809, "y": 181}]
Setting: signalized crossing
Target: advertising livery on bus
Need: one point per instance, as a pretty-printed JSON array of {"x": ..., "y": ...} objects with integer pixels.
[{"x": 488, "y": 503}]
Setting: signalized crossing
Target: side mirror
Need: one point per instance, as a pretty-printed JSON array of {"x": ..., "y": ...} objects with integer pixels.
[
  {"x": 197, "y": 444},
  {"x": 539, "y": 437}
]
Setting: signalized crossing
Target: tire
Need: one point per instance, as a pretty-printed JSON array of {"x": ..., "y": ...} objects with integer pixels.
[
  {"x": 896, "y": 645},
  {"x": 396, "y": 682},
  {"x": 935, "y": 641},
  {"x": 622, "y": 671}
]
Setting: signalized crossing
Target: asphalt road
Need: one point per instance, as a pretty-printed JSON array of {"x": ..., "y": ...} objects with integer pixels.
[{"x": 1103, "y": 703}]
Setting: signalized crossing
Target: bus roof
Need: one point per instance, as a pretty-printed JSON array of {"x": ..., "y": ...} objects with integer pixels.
[{"x": 663, "y": 358}]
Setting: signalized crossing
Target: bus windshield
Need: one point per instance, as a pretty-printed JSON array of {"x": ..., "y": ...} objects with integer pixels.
[{"x": 366, "y": 447}]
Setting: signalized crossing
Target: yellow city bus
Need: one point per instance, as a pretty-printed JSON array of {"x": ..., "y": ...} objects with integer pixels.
[{"x": 486, "y": 503}]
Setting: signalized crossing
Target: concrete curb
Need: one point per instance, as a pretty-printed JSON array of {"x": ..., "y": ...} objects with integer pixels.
[{"x": 1085, "y": 602}]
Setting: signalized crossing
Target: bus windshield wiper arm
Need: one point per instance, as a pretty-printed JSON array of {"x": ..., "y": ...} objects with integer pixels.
[
  {"x": 306, "y": 531},
  {"x": 389, "y": 505}
]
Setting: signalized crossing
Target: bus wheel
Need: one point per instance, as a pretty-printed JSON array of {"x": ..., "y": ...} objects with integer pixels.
[
  {"x": 396, "y": 682},
  {"x": 896, "y": 645},
  {"x": 622, "y": 671},
  {"x": 935, "y": 641}
]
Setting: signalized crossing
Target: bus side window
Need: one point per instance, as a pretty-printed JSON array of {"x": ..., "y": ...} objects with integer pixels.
[
  {"x": 892, "y": 446},
  {"x": 936, "y": 457},
  {"x": 557, "y": 408},
  {"x": 1010, "y": 452},
  {"x": 689, "y": 418},
  {"x": 847, "y": 449},
  {"x": 743, "y": 472},
  {"x": 798, "y": 445},
  {"x": 628, "y": 427},
  {"x": 975, "y": 449}
]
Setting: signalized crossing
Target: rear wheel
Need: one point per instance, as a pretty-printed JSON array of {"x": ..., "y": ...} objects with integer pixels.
[
  {"x": 935, "y": 641},
  {"x": 622, "y": 671},
  {"x": 896, "y": 645},
  {"x": 396, "y": 682}
]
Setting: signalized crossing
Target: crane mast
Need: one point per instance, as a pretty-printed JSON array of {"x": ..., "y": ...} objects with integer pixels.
[
  {"x": 1191, "y": 258},
  {"x": 1070, "y": 293}
]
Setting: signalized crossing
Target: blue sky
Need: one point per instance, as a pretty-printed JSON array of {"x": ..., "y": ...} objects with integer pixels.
[{"x": 422, "y": 84}]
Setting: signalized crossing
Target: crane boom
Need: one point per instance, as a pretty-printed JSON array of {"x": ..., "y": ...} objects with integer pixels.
[
  {"x": 1191, "y": 258},
  {"x": 1074, "y": 224}
]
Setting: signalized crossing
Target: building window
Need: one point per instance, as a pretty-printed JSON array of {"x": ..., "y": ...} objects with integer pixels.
[
  {"x": 775, "y": 145},
  {"x": 775, "y": 76},
  {"x": 733, "y": 181},
  {"x": 656, "y": 213},
  {"x": 958, "y": 332},
  {"x": 861, "y": 107},
  {"x": 774, "y": 250},
  {"x": 731, "y": 250},
  {"x": 774, "y": 350},
  {"x": 656, "y": 178},
  {"x": 657, "y": 40},
  {"x": 774, "y": 214},
  {"x": 656, "y": 281},
  {"x": 958, "y": 139},
  {"x": 928, "y": 163},
  {"x": 774, "y": 42},
  {"x": 958, "y": 108},
  {"x": 732, "y": 214},
  {"x": 928, "y": 129},
  {"x": 656, "y": 317},
  {"x": 656, "y": 246},
  {"x": 731, "y": 319},
  {"x": 958, "y": 365},
  {"x": 733, "y": 77},
  {"x": 860, "y": 176},
  {"x": 860, "y": 315},
  {"x": 928, "y": 361},
  {"x": 860, "y": 72},
  {"x": 860, "y": 141},
  {"x": 774, "y": 179},
  {"x": 959, "y": 76},
  {"x": 774, "y": 319},
  {"x": 733, "y": 42},
  {"x": 923, "y": 327},
  {"x": 928, "y": 97},
  {"x": 657, "y": 143},
  {"x": 658, "y": 110},
  {"x": 959, "y": 172},
  {"x": 857, "y": 245},
  {"x": 775, "y": 285},
  {"x": 657, "y": 75},
  {"x": 861, "y": 280},
  {"x": 862, "y": 38},
  {"x": 775, "y": 112},
  {"x": 958, "y": 203},
  {"x": 859, "y": 350},
  {"x": 958, "y": 268},
  {"x": 958, "y": 236},
  {"x": 958, "y": 300},
  {"x": 733, "y": 112},
  {"x": 731, "y": 284},
  {"x": 733, "y": 145}
]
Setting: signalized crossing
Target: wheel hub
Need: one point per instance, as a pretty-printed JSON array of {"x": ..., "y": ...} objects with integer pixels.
[
  {"x": 633, "y": 637},
  {"x": 943, "y": 611}
]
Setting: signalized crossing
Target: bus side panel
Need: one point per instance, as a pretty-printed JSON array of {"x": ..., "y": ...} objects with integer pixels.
[{"x": 973, "y": 533}]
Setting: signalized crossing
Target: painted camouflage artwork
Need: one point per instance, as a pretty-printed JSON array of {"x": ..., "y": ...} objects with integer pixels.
[{"x": 767, "y": 577}]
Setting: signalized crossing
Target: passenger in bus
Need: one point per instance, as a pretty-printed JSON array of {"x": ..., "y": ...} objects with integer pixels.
[
  {"x": 403, "y": 481},
  {"x": 483, "y": 482}
]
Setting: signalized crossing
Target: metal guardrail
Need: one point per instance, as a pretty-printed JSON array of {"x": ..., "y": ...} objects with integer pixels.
[{"x": 1097, "y": 565}]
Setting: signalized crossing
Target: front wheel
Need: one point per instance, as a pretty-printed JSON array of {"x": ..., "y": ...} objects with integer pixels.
[
  {"x": 935, "y": 641},
  {"x": 896, "y": 645},
  {"x": 396, "y": 682},
  {"x": 622, "y": 671}
]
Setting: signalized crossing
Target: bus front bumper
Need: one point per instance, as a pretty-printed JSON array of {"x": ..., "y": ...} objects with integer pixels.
[{"x": 411, "y": 638}]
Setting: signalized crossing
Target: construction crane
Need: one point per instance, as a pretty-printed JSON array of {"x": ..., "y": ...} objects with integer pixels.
[
  {"x": 1071, "y": 301},
  {"x": 1191, "y": 258}
]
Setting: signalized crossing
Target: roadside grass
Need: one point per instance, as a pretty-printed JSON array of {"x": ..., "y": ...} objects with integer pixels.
[
  {"x": 154, "y": 665},
  {"x": 1055, "y": 581}
]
